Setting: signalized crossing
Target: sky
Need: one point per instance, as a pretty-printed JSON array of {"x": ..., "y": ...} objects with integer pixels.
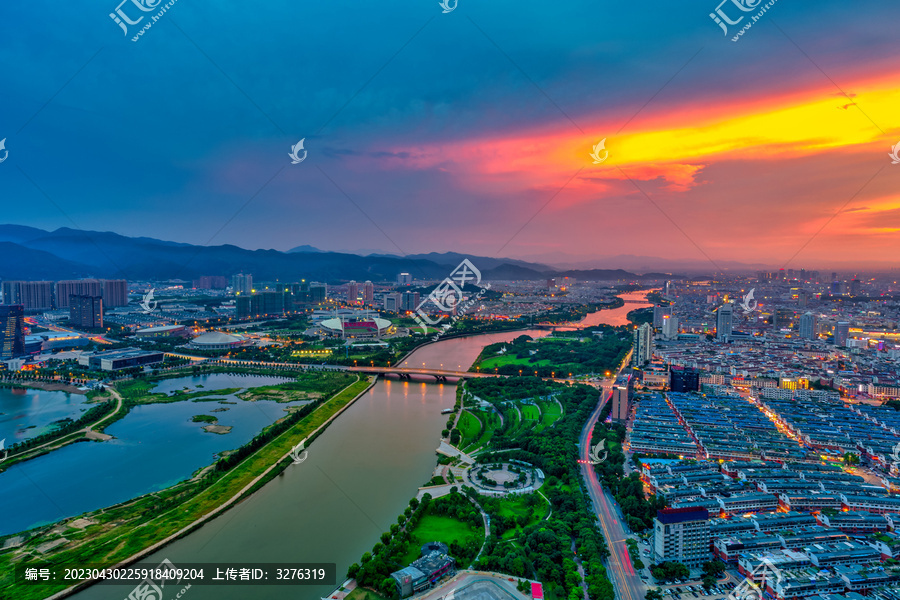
[{"x": 468, "y": 131}]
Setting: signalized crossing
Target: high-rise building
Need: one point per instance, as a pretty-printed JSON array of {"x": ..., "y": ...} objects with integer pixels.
[
  {"x": 261, "y": 304},
  {"x": 855, "y": 287},
  {"x": 724, "y": 321},
  {"x": 352, "y": 292},
  {"x": 242, "y": 284},
  {"x": 836, "y": 287},
  {"x": 659, "y": 312},
  {"x": 12, "y": 342},
  {"x": 210, "y": 282},
  {"x": 318, "y": 292},
  {"x": 392, "y": 302},
  {"x": 783, "y": 318},
  {"x": 841, "y": 333},
  {"x": 86, "y": 311},
  {"x": 404, "y": 279},
  {"x": 298, "y": 293},
  {"x": 368, "y": 293},
  {"x": 808, "y": 326},
  {"x": 33, "y": 295},
  {"x": 802, "y": 298},
  {"x": 114, "y": 292},
  {"x": 670, "y": 327},
  {"x": 684, "y": 380},
  {"x": 410, "y": 301},
  {"x": 622, "y": 391},
  {"x": 642, "y": 345},
  {"x": 681, "y": 535},
  {"x": 76, "y": 287}
]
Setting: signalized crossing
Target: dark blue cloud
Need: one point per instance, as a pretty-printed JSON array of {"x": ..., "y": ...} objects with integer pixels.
[{"x": 134, "y": 137}]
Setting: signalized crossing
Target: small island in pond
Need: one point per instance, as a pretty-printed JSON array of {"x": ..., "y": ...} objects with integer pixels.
[{"x": 213, "y": 426}]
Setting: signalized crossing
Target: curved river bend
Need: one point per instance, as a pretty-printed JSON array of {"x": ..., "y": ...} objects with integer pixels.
[{"x": 360, "y": 474}]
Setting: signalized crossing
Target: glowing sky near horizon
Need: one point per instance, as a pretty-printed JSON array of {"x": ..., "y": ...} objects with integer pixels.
[{"x": 466, "y": 132}]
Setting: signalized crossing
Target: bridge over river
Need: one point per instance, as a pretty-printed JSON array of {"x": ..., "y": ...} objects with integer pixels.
[{"x": 439, "y": 373}]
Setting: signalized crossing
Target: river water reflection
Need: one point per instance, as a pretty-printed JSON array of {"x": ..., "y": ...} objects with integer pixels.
[{"x": 359, "y": 475}]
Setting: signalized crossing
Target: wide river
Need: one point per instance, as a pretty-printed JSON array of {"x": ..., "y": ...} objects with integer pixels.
[{"x": 359, "y": 475}]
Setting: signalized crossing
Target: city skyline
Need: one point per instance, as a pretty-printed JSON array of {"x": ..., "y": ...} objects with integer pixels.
[
  {"x": 448, "y": 300},
  {"x": 469, "y": 131}
]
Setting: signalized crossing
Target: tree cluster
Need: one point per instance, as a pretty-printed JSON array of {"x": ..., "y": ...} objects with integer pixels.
[
  {"x": 548, "y": 548},
  {"x": 669, "y": 571}
]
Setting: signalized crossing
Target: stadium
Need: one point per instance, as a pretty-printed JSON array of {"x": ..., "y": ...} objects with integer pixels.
[
  {"x": 216, "y": 340},
  {"x": 360, "y": 328}
]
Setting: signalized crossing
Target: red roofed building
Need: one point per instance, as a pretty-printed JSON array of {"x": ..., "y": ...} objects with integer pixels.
[{"x": 537, "y": 591}]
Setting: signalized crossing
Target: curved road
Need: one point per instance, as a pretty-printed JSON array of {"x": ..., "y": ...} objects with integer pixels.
[{"x": 625, "y": 580}]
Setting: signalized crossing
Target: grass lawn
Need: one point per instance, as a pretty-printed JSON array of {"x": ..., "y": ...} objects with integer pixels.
[
  {"x": 551, "y": 413},
  {"x": 491, "y": 422},
  {"x": 134, "y": 388},
  {"x": 440, "y": 528},
  {"x": 417, "y": 330},
  {"x": 362, "y": 594},
  {"x": 506, "y": 359},
  {"x": 515, "y": 506},
  {"x": 512, "y": 421},
  {"x": 530, "y": 412},
  {"x": 469, "y": 427}
]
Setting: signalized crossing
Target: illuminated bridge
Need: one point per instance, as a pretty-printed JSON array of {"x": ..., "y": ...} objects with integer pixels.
[
  {"x": 439, "y": 373},
  {"x": 407, "y": 372}
]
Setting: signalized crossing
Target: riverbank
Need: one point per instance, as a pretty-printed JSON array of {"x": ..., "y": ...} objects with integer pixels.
[
  {"x": 359, "y": 476},
  {"x": 84, "y": 428},
  {"x": 518, "y": 512},
  {"x": 125, "y": 533},
  {"x": 47, "y": 386}
]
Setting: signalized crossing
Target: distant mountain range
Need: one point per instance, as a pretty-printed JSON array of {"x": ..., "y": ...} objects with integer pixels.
[
  {"x": 30, "y": 253},
  {"x": 643, "y": 264}
]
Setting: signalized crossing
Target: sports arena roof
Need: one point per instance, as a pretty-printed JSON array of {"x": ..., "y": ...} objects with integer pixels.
[{"x": 217, "y": 338}]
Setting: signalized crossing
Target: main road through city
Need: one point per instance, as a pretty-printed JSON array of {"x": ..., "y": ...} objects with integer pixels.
[{"x": 626, "y": 581}]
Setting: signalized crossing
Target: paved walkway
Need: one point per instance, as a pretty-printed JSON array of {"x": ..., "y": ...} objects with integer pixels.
[
  {"x": 448, "y": 450},
  {"x": 486, "y": 519}
]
